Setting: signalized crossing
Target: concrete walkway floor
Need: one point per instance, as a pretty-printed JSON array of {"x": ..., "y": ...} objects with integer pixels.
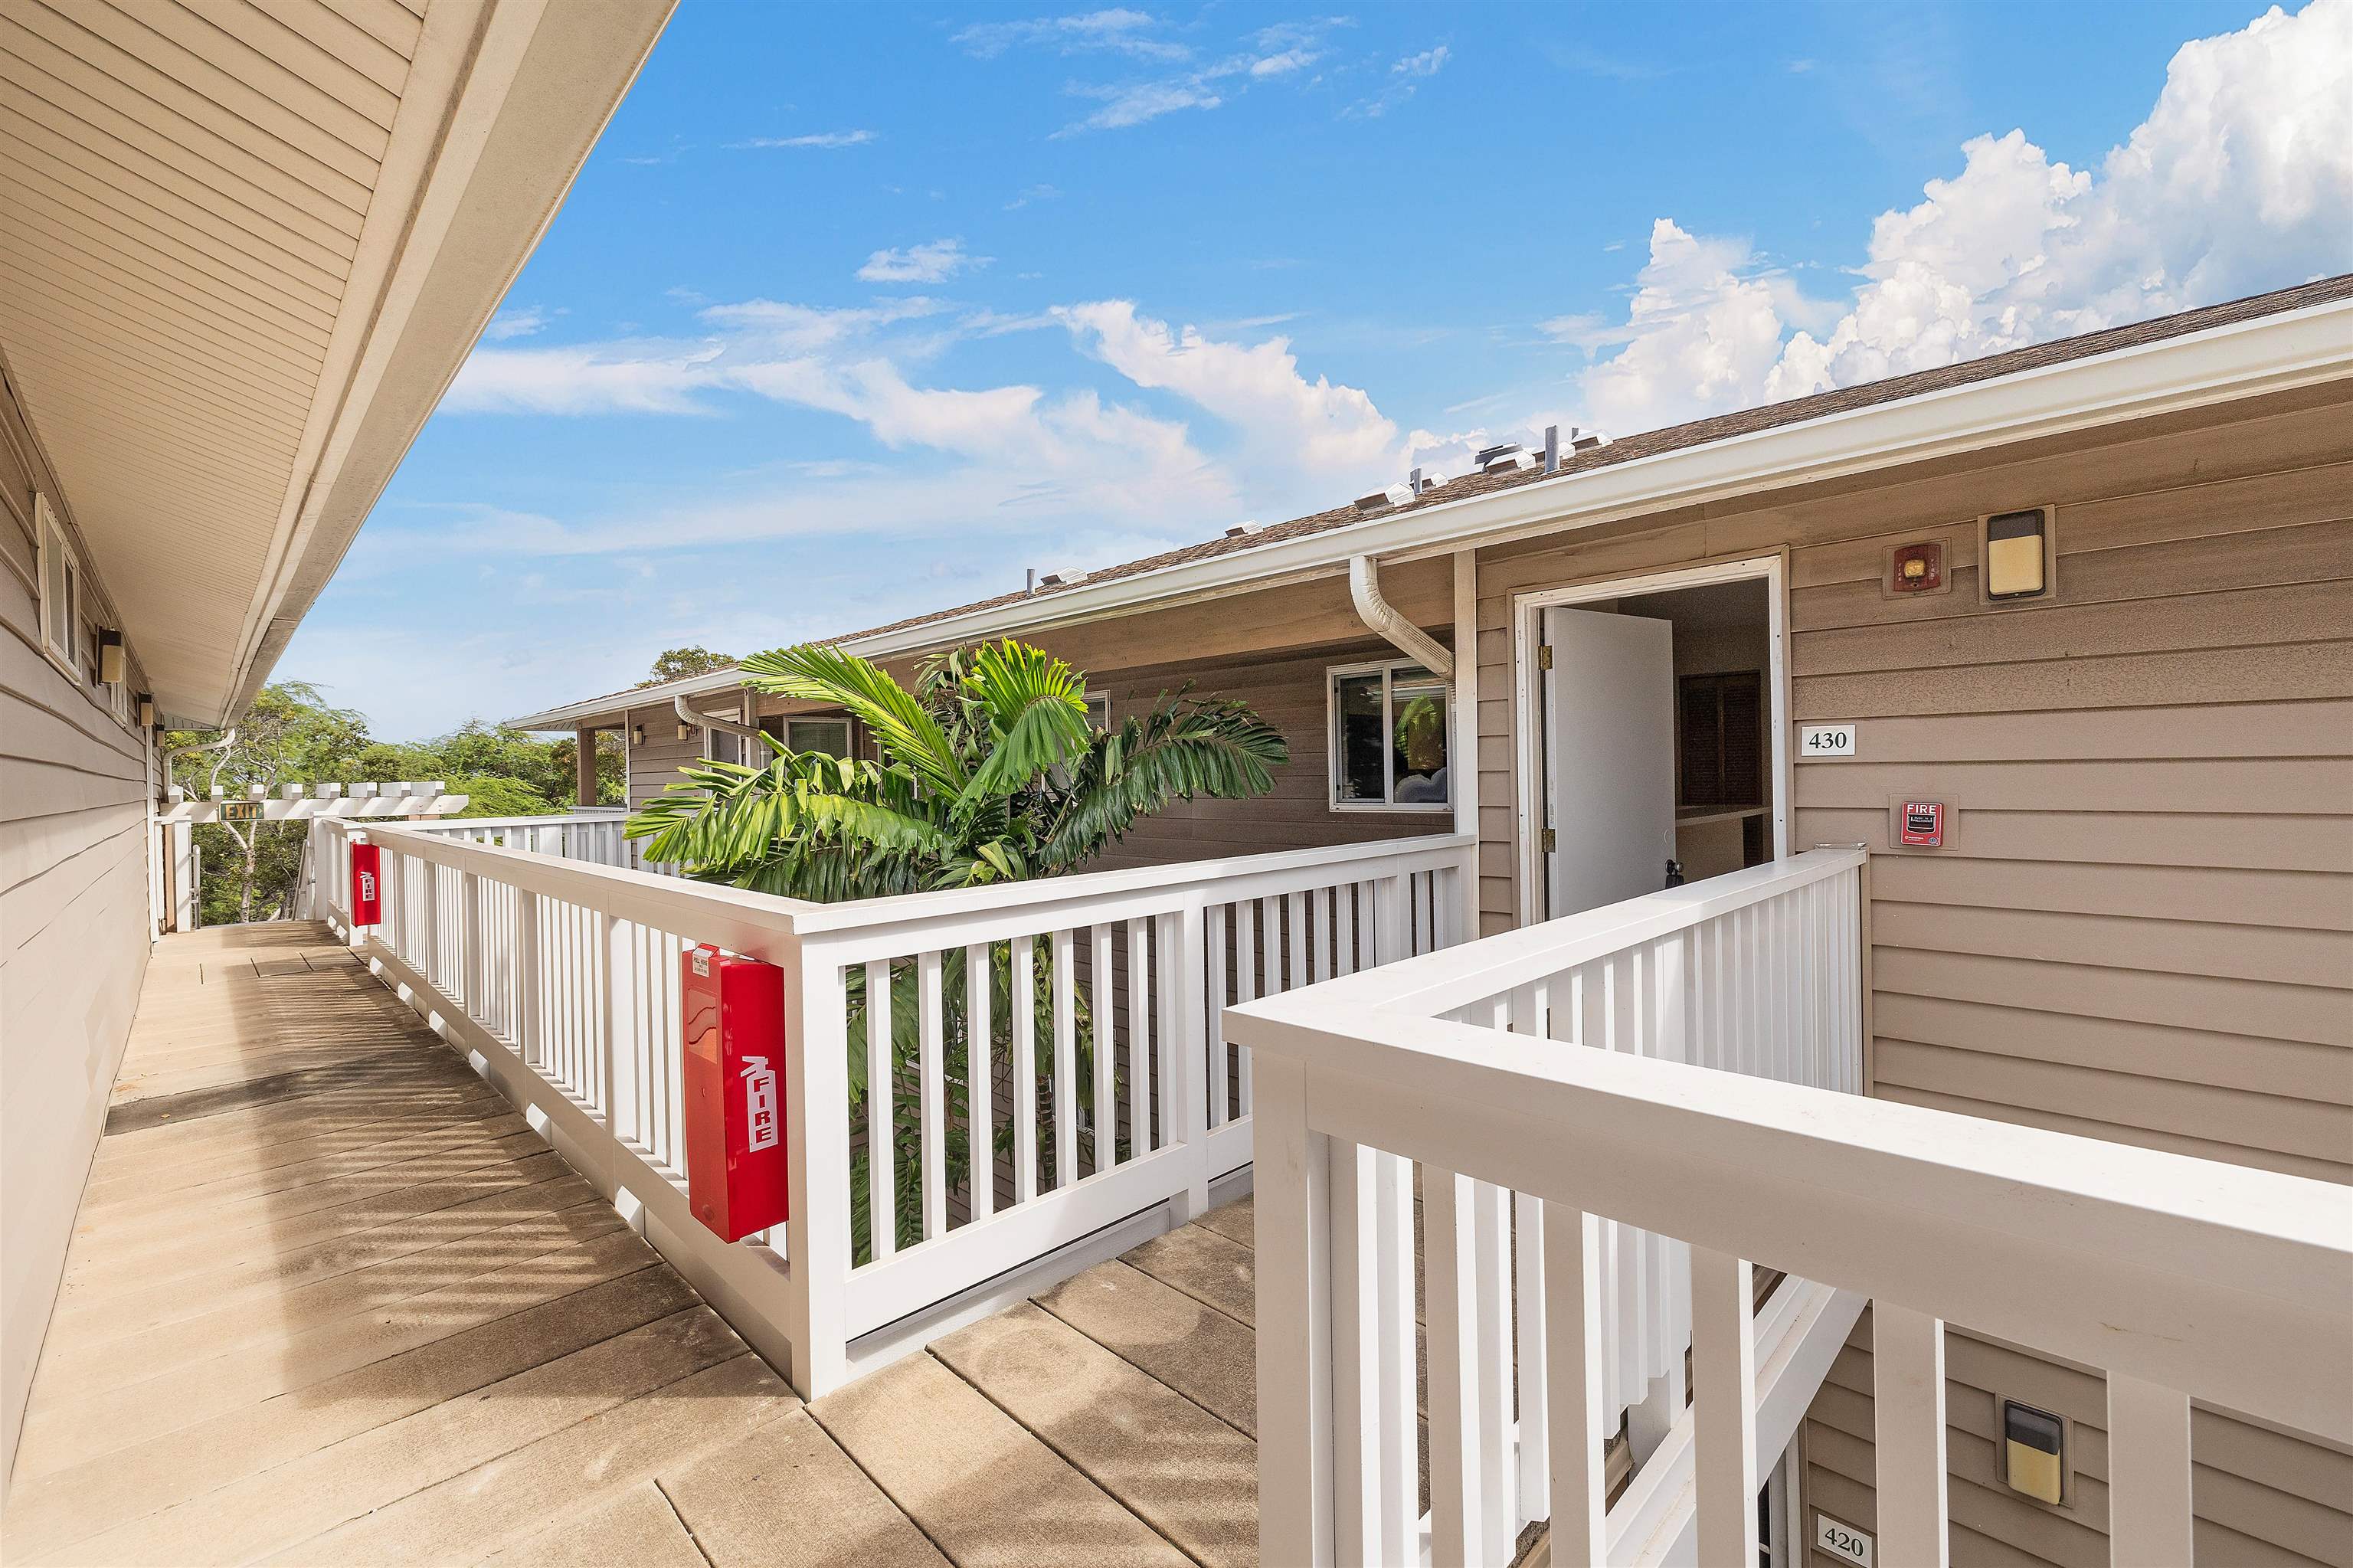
[{"x": 331, "y": 1301}]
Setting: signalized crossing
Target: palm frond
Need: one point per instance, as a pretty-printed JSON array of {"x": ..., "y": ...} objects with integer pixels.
[
  {"x": 1037, "y": 710},
  {"x": 1176, "y": 751},
  {"x": 907, "y": 734}
]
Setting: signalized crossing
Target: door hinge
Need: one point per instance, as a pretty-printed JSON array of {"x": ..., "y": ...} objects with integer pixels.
[
  {"x": 1544, "y": 655},
  {"x": 1551, "y": 841}
]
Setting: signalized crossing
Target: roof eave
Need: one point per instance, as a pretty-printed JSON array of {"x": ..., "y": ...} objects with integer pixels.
[
  {"x": 2224, "y": 363},
  {"x": 490, "y": 173}
]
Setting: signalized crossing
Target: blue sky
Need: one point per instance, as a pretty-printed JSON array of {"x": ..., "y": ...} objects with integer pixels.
[{"x": 857, "y": 312}]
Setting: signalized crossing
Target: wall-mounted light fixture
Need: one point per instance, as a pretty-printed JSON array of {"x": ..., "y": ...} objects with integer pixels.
[
  {"x": 637, "y": 735},
  {"x": 2015, "y": 555},
  {"x": 146, "y": 710},
  {"x": 113, "y": 663},
  {"x": 2035, "y": 1452},
  {"x": 685, "y": 730}
]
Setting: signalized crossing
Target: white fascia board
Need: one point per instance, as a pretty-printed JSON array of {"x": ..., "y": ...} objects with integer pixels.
[
  {"x": 2243, "y": 359},
  {"x": 597, "y": 710}
]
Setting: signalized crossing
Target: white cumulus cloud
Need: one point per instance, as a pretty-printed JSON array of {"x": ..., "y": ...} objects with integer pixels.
[
  {"x": 1256, "y": 389},
  {"x": 2241, "y": 179}
]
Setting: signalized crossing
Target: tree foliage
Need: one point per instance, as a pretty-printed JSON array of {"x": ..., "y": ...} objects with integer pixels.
[
  {"x": 986, "y": 770},
  {"x": 292, "y": 734},
  {"x": 677, "y": 663}
]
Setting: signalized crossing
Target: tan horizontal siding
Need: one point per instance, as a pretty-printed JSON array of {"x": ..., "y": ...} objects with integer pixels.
[
  {"x": 74, "y": 783},
  {"x": 2261, "y": 1496},
  {"x": 2143, "y": 927},
  {"x": 2311, "y": 901},
  {"x": 2293, "y": 1069},
  {"x": 1287, "y": 692}
]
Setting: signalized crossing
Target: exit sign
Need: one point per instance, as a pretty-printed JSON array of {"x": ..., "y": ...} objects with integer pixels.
[{"x": 240, "y": 811}]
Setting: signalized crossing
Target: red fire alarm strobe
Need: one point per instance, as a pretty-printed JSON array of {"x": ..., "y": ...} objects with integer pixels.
[
  {"x": 733, "y": 1026},
  {"x": 367, "y": 882},
  {"x": 1920, "y": 824}
]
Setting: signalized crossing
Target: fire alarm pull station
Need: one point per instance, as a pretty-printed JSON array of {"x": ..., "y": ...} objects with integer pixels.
[
  {"x": 733, "y": 1026},
  {"x": 1920, "y": 824},
  {"x": 367, "y": 882}
]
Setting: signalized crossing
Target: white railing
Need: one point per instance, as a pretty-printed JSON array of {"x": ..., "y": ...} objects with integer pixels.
[
  {"x": 1110, "y": 1099},
  {"x": 590, "y": 833},
  {"x": 2182, "y": 1278}
]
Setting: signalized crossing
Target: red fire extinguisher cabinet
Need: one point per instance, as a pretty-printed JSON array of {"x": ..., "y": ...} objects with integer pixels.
[
  {"x": 367, "y": 883},
  {"x": 733, "y": 1027}
]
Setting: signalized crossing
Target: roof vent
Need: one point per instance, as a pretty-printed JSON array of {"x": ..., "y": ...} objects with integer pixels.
[
  {"x": 1507, "y": 460},
  {"x": 1428, "y": 480},
  {"x": 1586, "y": 440},
  {"x": 1242, "y": 530},
  {"x": 1376, "y": 501},
  {"x": 1490, "y": 454}
]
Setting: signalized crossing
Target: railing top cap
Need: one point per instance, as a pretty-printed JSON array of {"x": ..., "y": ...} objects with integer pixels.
[
  {"x": 1470, "y": 972},
  {"x": 708, "y": 911}
]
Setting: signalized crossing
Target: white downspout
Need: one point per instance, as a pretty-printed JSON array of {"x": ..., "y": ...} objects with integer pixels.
[
  {"x": 713, "y": 721},
  {"x": 1364, "y": 587}
]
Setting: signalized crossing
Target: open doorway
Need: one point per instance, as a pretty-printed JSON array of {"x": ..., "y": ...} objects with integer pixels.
[{"x": 1653, "y": 711}]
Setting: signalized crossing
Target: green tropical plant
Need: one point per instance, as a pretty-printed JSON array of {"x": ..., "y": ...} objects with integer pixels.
[{"x": 987, "y": 770}]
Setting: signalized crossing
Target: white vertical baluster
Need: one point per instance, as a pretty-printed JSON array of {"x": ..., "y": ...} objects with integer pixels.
[
  {"x": 1450, "y": 1274},
  {"x": 1297, "y": 908},
  {"x": 2150, "y": 1518},
  {"x": 1356, "y": 1360},
  {"x": 1399, "y": 1416},
  {"x": 1344, "y": 905},
  {"x": 527, "y": 977},
  {"x": 1319, "y": 932},
  {"x": 980, "y": 1083},
  {"x": 1295, "y": 1298},
  {"x": 1066, "y": 1061},
  {"x": 1022, "y": 998},
  {"x": 1139, "y": 1041},
  {"x": 816, "y": 1145},
  {"x": 429, "y": 907},
  {"x": 1574, "y": 1411},
  {"x": 1270, "y": 979},
  {"x": 881, "y": 1177},
  {"x": 1186, "y": 1022},
  {"x": 933, "y": 1090},
  {"x": 616, "y": 1098},
  {"x": 1490, "y": 1206},
  {"x": 1247, "y": 950},
  {"x": 1103, "y": 997},
  {"x": 474, "y": 981},
  {"x": 1215, "y": 939},
  {"x": 1908, "y": 1391},
  {"x": 1529, "y": 1308},
  {"x": 1723, "y": 1411}
]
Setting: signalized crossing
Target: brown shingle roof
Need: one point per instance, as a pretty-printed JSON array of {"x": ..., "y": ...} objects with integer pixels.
[{"x": 1693, "y": 433}]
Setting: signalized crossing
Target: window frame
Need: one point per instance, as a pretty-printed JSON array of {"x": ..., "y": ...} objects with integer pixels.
[
  {"x": 1388, "y": 670},
  {"x": 1091, "y": 699},
  {"x": 50, "y": 544},
  {"x": 849, "y": 731}
]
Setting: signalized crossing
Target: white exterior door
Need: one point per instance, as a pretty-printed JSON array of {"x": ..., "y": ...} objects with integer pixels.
[{"x": 1610, "y": 745}]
